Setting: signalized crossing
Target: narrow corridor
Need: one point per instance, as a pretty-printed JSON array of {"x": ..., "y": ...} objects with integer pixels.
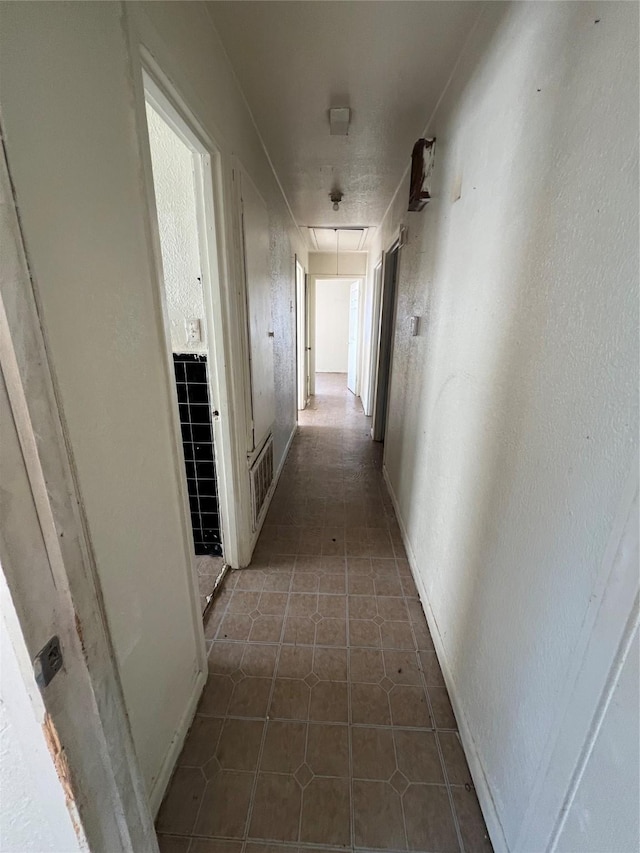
[{"x": 325, "y": 720}]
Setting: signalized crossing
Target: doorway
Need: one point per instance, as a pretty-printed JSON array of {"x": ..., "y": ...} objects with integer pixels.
[
  {"x": 184, "y": 219},
  {"x": 385, "y": 346},
  {"x": 337, "y": 329}
]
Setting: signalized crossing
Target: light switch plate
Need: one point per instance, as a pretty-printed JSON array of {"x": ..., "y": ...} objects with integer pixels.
[{"x": 194, "y": 330}]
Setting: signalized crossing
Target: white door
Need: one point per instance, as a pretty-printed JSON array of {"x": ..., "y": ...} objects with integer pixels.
[
  {"x": 255, "y": 223},
  {"x": 352, "y": 363}
]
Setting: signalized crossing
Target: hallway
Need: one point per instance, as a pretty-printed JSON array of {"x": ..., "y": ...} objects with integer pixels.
[
  {"x": 325, "y": 720},
  {"x": 474, "y": 167}
]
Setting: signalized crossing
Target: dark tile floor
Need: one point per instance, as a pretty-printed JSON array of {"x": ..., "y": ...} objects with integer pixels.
[{"x": 325, "y": 722}]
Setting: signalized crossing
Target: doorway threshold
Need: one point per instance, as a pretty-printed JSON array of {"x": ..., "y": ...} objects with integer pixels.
[{"x": 211, "y": 573}]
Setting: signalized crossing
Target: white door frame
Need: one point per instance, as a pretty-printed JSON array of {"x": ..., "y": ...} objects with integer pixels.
[
  {"x": 302, "y": 352},
  {"x": 89, "y": 733},
  {"x": 358, "y": 338},
  {"x": 211, "y": 214},
  {"x": 374, "y": 343},
  {"x": 311, "y": 297}
]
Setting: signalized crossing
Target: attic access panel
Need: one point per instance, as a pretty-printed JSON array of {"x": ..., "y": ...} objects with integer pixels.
[{"x": 338, "y": 239}]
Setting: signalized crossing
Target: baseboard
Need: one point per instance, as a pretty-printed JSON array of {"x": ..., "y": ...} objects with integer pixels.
[
  {"x": 161, "y": 784},
  {"x": 273, "y": 488},
  {"x": 489, "y": 811}
]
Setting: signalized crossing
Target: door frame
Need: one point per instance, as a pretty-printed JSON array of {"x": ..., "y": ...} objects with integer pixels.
[
  {"x": 386, "y": 338},
  {"x": 312, "y": 280},
  {"x": 374, "y": 343},
  {"x": 254, "y": 444},
  {"x": 302, "y": 327},
  {"x": 358, "y": 342},
  {"x": 211, "y": 216}
]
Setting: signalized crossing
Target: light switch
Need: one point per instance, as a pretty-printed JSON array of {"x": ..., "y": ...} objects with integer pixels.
[
  {"x": 415, "y": 326},
  {"x": 194, "y": 330}
]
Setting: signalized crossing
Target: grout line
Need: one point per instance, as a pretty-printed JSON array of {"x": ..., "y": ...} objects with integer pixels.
[
  {"x": 443, "y": 764},
  {"x": 352, "y": 813},
  {"x": 254, "y": 787},
  {"x": 306, "y": 751},
  {"x": 207, "y": 783}
]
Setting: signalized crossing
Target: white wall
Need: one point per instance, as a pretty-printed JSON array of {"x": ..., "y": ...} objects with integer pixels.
[
  {"x": 332, "y": 325},
  {"x": 33, "y": 813},
  {"x": 513, "y": 415},
  {"x": 74, "y": 152},
  {"x": 176, "y": 207},
  {"x": 593, "y": 822},
  {"x": 346, "y": 263}
]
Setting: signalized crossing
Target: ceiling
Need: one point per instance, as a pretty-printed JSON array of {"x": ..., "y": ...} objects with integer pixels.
[
  {"x": 387, "y": 61},
  {"x": 338, "y": 239}
]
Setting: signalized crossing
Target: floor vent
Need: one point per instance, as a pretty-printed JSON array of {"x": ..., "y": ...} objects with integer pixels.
[{"x": 261, "y": 479}]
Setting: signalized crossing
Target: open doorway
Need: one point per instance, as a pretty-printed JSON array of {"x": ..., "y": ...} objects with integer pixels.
[
  {"x": 183, "y": 218},
  {"x": 337, "y": 329},
  {"x": 385, "y": 345}
]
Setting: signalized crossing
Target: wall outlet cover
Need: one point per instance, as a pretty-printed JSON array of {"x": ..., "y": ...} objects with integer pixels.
[{"x": 193, "y": 328}]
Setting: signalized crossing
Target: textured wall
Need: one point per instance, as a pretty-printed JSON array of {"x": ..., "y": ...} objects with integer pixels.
[
  {"x": 513, "y": 415},
  {"x": 178, "y": 226}
]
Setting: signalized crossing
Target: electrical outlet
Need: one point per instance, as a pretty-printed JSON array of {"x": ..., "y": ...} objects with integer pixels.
[
  {"x": 48, "y": 662},
  {"x": 194, "y": 330}
]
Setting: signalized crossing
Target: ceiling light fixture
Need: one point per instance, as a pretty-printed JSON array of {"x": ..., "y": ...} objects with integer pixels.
[{"x": 336, "y": 197}]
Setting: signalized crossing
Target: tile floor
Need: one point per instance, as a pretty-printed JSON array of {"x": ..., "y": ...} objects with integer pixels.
[{"x": 325, "y": 722}]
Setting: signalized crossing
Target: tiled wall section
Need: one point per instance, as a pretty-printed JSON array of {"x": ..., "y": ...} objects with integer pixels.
[{"x": 197, "y": 440}]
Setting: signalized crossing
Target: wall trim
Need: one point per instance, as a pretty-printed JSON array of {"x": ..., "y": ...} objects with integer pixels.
[
  {"x": 483, "y": 789},
  {"x": 170, "y": 761}
]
